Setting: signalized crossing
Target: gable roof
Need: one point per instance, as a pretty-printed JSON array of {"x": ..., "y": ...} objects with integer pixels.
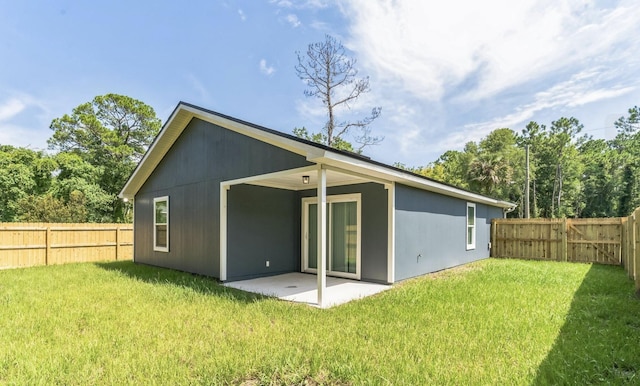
[{"x": 314, "y": 152}]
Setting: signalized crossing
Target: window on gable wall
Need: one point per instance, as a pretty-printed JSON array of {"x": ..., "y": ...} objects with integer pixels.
[
  {"x": 161, "y": 224},
  {"x": 471, "y": 225}
]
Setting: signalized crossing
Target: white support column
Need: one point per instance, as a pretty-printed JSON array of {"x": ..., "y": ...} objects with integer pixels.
[
  {"x": 133, "y": 231},
  {"x": 223, "y": 231},
  {"x": 391, "y": 232},
  {"x": 322, "y": 234}
]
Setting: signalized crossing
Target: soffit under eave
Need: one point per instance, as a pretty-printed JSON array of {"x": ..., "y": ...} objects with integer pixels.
[
  {"x": 184, "y": 114},
  {"x": 382, "y": 174}
]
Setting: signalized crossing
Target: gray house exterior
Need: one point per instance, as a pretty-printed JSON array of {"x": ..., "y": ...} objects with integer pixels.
[{"x": 225, "y": 198}]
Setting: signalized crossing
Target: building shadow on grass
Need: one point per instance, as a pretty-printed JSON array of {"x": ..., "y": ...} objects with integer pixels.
[
  {"x": 169, "y": 277},
  {"x": 599, "y": 342}
]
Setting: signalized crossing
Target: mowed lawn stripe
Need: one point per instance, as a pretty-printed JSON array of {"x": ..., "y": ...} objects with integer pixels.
[{"x": 490, "y": 322}]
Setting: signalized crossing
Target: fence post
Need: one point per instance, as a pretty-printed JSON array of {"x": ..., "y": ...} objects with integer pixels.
[
  {"x": 625, "y": 243},
  {"x": 565, "y": 230},
  {"x": 494, "y": 225},
  {"x": 549, "y": 241},
  {"x": 47, "y": 251},
  {"x": 621, "y": 228},
  {"x": 117, "y": 242},
  {"x": 635, "y": 253},
  {"x": 630, "y": 246},
  {"x": 631, "y": 228}
]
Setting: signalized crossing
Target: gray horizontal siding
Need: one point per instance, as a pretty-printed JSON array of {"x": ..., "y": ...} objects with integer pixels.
[
  {"x": 431, "y": 232},
  {"x": 190, "y": 174},
  {"x": 373, "y": 254},
  {"x": 191, "y": 240},
  {"x": 263, "y": 225}
]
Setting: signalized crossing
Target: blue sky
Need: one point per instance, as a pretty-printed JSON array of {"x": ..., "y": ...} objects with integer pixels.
[{"x": 444, "y": 73}]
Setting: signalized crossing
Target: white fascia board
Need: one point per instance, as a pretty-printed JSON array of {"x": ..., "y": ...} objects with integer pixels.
[
  {"x": 183, "y": 114},
  {"x": 174, "y": 126},
  {"x": 264, "y": 136},
  {"x": 351, "y": 165},
  {"x": 367, "y": 168},
  {"x": 163, "y": 142},
  {"x": 350, "y": 171}
]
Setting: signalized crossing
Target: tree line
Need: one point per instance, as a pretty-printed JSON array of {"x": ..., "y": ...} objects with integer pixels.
[
  {"x": 571, "y": 174},
  {"x": 99, "y": 144},
  {"x": 96, "y": 147}
]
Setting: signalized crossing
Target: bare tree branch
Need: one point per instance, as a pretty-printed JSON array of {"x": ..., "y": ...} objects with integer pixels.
[{"x": 326, "y": 69}]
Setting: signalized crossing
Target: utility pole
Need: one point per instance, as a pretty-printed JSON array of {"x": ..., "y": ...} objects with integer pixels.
[{"x": 526, "y": 184}]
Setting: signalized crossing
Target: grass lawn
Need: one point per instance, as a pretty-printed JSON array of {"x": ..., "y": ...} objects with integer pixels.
[{"x": 491, "y": 322}]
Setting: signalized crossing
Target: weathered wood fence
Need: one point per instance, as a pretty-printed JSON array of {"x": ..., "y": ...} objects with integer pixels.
[
  {"x": 602, "y": 240},
  {"x": 32, "y": 244},
  {"x": 631, "y": 246}
]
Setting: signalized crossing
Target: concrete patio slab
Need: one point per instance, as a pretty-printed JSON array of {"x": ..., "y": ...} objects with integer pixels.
[{"x": 302, "y": 288}]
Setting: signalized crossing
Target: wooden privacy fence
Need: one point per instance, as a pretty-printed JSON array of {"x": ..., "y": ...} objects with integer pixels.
[
  {"x": 631, "y": 246},
  {"x": 31, "y": 244},
  {"x": 600, "y": 240}
]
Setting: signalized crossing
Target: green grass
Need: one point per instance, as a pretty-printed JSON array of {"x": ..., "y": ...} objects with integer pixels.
[{"x": 491, "y": 322}]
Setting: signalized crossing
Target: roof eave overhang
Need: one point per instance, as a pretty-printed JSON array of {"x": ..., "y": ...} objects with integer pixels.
[
  {"x": 184, "y": 113},
  {"x": 175, "y": 125},
  {"x": 391, "y": 175}
]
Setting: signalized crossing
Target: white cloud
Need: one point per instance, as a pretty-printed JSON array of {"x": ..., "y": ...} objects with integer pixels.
[
  {"x": 243, "y": 17},
  {"x": 300, "y": 4},
  {"x": 293, "y": 20},
  {"x": 11, "y": 108},
  {"x": 597, "y": 95},
  {"x": 21, "y": 136},
  {"x": 583, "y": 88},
  {"x": 404, "y": 116},
  {"x": 319, "y": 25},
  {"x": 200, "y": 88},
  {"x": 430, "y": 48},
  {"x": 447, "y": 73},
  {"x": 265, "y": 69},
  {"x": 311, "y": 110},
  {"x": 282, "y": 3},
  {"x": 315, "y": 3},
  {"x": 24, "y": 121}
]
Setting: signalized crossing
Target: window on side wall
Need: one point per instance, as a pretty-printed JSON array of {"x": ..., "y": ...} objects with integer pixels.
[
  {"x": 161, "y": 224},
  {"x": 471, "y": 226}
]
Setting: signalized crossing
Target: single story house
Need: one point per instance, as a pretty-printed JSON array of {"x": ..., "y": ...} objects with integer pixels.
[{"x": 222, "y": 197}]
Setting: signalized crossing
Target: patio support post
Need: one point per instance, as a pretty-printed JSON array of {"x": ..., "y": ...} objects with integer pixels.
[
  {"x": 223, "y": 231},
  {"x": 322, "y": 234},
  {"x": 391, "y": 232}
]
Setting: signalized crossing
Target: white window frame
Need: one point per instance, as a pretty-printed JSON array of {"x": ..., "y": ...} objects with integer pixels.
[
  {"x": 155, "y": 224},
  {"x": 471, "y": 245}
]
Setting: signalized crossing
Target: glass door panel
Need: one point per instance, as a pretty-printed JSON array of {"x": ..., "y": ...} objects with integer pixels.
[
  {"x": 343, "y": 237},
  {"x": 312, "y": 236}
]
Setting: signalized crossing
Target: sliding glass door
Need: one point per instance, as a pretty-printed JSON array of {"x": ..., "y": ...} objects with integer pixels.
[{"x": 343, "y": 235}]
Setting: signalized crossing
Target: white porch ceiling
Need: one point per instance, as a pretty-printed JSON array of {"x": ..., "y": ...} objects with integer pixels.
[{"x": 293, "y": 180}]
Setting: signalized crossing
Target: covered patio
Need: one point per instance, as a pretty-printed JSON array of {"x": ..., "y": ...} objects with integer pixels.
[
  {"x": 318, "y": 289},
  {"x": 302, "y": 288}
]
